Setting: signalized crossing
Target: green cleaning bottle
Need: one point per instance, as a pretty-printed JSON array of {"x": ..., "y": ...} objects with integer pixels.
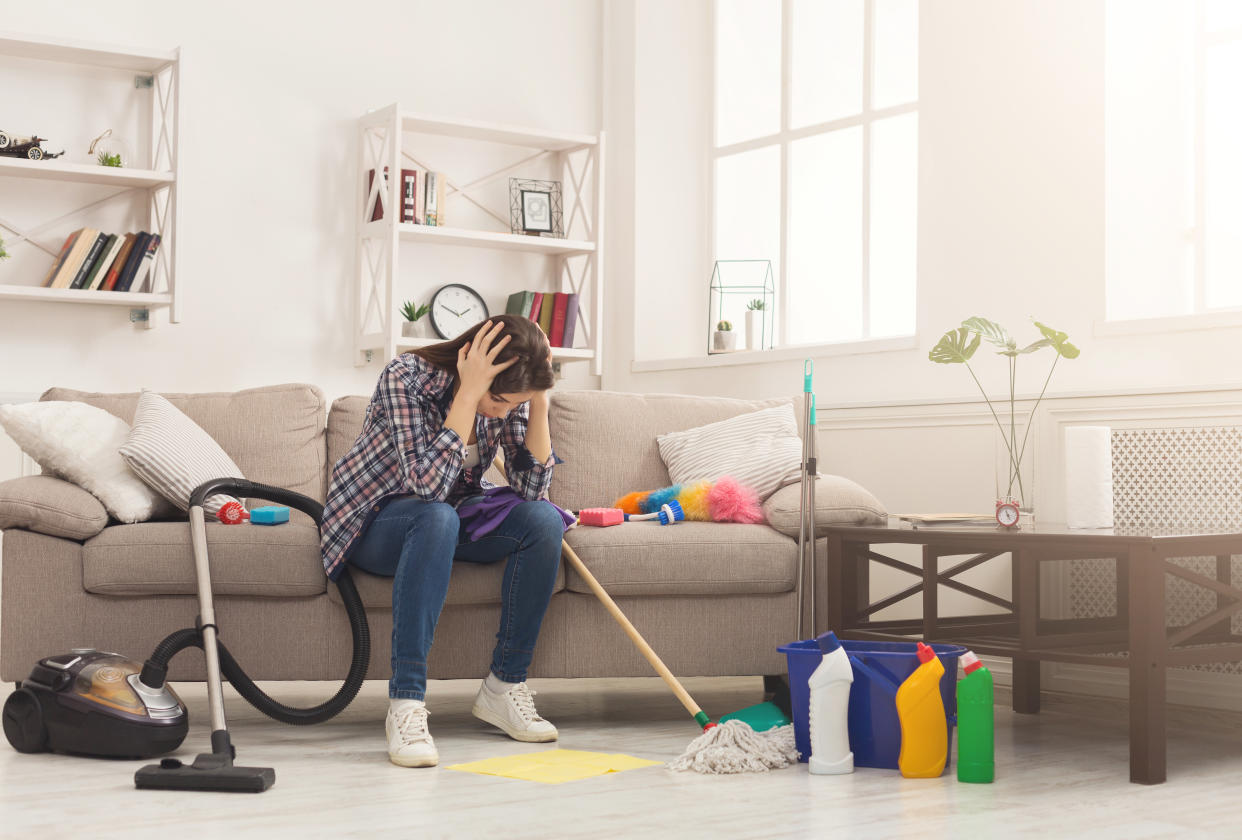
[{"x": 976, "y": 761}]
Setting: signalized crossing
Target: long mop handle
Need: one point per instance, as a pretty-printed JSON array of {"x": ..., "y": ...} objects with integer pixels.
[
  {"x": 807, "y": 369},
  {"x": 207, "y": 619},
  {"x": 812, "y": 472},
  {"x": 639, "y": 642}
]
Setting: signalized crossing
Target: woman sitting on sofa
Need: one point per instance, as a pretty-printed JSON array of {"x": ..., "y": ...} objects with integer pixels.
[{"x": 409, "y": 499}]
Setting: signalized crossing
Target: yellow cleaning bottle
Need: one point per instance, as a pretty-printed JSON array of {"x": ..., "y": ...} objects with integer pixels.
[{"x": 924, "y": 729}]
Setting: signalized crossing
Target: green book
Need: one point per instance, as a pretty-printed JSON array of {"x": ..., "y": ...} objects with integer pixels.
[
  {"x": 101, "y": 263},
  {"x": 520, "y": 304},
  {"x": 545, "y": 314}
]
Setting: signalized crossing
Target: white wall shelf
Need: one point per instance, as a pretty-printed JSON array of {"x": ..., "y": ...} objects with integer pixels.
[
  {"x": 494, "y": 133},
  {"x": 383, "y": 144},
  {"x": 71, "y": 51},
  {"x": 482, "y": 239},
  {"x": 559, "y": 354},
  {"x": 81, "y": 173},
  {"x": 158, "y": 178},
  {"x": 137, "y": 300}
]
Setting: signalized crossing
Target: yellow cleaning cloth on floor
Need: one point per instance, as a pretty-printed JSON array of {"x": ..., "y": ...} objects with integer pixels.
[{"x": 554, "y": 766}]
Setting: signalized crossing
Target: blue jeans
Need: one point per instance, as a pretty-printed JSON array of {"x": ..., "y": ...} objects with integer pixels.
[{"x": 416, "y": 542}]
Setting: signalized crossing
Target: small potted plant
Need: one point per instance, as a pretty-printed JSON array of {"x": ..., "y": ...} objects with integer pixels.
[
  {"x": 724, "y": 339},
  {"x": 414, "y": 326},
  {"x": 4, "y": 255},
  {"x": 754, "y": 324}
]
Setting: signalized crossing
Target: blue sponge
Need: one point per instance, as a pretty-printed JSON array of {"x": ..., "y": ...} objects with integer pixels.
[{"x": 269, "y": 515}]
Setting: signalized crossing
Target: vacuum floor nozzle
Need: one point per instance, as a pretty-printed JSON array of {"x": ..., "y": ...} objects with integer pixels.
[{"x": 210, "y": 771}]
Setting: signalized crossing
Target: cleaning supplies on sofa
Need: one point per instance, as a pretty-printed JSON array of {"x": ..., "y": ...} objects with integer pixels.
[
  {"x": 829, "y": 685},
  {"x": 976, "y": 761},
  {"x": 920, "y": 708}
]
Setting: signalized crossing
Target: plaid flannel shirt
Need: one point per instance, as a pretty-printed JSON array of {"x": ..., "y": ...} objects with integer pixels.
[{"x": 404, "y": 449}]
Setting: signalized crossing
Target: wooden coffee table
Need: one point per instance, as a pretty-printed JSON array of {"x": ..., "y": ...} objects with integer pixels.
[{"x": 1135, "y": 638}]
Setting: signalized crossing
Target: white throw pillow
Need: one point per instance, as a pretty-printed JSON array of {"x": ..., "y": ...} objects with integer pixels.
[
  {"x": 762, "y": 450},
  {"x": 173, "y": 454},
  {"x": 79, "y": 442}
]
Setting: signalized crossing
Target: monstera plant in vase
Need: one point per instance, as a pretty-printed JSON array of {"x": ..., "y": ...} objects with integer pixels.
[{"x": 1015, "y": 489}]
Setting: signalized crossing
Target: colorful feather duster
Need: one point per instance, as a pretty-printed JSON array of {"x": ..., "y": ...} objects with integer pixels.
[{"x": 722, "y": 500}]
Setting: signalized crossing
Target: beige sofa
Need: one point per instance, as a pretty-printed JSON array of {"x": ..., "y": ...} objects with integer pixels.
[{"x": 712, "y": 599}]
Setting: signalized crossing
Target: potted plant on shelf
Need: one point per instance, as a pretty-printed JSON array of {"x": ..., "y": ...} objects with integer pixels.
[
  {"x": 754, "y": 324},
  {"x": 724, "y": 339},
  {"x": 415, "y": 326},
  {"x": 957, "y": 347}
]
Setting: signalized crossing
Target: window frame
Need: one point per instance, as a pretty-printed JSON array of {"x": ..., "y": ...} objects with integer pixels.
[{"x": 783, "y": 139}]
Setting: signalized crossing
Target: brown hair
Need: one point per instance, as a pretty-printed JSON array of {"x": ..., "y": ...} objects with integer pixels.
[{"x": 531, "y": 372}]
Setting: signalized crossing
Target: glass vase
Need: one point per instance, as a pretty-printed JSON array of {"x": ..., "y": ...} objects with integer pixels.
[{"x": 1015, "y": 477}]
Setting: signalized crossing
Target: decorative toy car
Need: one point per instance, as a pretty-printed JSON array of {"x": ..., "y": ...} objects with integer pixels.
[{"x": 27, "y": 147}]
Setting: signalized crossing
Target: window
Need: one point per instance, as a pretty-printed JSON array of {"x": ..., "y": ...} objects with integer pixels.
[
  {"x": 1173, "y": 175},
  {"x": 815, "y": 159}
]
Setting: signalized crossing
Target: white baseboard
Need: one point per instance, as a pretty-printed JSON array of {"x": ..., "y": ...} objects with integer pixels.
[{"x": 1186, "y": 688}]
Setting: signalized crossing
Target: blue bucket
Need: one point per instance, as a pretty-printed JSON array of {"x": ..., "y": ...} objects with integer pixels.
[{"x": 879, "y": 668}]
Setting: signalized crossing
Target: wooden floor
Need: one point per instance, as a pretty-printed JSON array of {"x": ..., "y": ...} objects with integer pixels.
[{"x": 1062, "y": 773}]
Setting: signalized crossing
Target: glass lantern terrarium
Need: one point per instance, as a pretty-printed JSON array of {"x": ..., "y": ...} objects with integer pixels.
[{"x": 741, "y": 300}]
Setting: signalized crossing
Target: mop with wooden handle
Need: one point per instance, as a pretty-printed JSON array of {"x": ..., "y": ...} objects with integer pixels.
[{"x": 732, "y": 746}]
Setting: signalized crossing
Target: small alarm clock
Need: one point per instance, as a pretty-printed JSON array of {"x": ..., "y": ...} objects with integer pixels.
[{"x": 1007, "y": 512}]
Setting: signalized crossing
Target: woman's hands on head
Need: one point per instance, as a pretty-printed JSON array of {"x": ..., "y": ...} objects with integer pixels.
[{"x": 476, "y": 367}]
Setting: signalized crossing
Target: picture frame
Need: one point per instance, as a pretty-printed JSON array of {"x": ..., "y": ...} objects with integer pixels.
[
  {"x": 536, "y": 208},
  {"x": 536, "y": 211}
]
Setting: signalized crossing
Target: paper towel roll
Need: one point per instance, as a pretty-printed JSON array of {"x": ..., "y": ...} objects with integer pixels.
[{"x": 1088, "y": 477}]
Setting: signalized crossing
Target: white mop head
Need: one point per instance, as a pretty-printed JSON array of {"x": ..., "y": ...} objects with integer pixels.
[{"x": 733, "y": 747}]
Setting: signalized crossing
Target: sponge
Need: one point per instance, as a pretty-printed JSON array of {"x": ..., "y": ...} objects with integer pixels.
[
  {"x": 601, "y": 517},
  {"x": 269, "y": 515}
]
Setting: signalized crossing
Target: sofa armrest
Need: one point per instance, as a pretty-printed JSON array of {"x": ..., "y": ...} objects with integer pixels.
[
  {"x": 838, "y": 501},
  {"x": 50, "y": 506}
]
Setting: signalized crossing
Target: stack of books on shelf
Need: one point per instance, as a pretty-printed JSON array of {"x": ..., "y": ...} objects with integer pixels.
[
  {"x": 106, "y": 262},
  {"x": 422, "y": 197},
  {"x": 555, "y": 312}
]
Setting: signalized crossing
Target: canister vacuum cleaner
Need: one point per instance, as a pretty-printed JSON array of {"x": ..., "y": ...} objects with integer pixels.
[{"x": 99, "y": 704}]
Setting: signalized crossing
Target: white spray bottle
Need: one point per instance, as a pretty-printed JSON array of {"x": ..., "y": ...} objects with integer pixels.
[{"x": 829, "y": 710}]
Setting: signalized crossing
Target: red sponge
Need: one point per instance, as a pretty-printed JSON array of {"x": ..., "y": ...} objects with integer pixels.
[{"x": 601, "y": 516}]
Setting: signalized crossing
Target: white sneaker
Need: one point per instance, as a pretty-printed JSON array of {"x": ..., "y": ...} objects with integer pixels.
[
  {"x": 513, "y": 710},
  {"x": 409, "y": 741}
]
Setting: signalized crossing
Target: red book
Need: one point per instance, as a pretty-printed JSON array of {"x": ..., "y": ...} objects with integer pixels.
[
  {"x": 408, "y": 189},
  {"x": 559, "y": 301},
  {"x": 535, "y": 306},
  {"x": 377, "y": 209},
  {"x": 118, "y": 264}
]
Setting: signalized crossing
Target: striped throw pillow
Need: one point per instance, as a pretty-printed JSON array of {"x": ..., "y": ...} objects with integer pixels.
[
  {"x": 172, "y": 454},
  {"x": 761, "y": 450}
]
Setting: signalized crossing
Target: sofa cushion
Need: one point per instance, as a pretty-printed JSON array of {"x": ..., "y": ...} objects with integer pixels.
[
  {"x": 79, "y": 443},
  {"x": 760, "y": 449},
  {"x": 607, "y": 440},
  {"x": 50, "y": 506},
  {"x": 275, "y": 434},
  {"x": 838, "y": 501},
  {"x": 173, "y": 455},
  {"x": 690, "y": 558},
  {"x": 155, "y": 558},
  {"x": 470, "y": 583}
]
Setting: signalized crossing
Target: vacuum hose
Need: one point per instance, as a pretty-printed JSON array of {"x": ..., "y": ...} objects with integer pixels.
[{"x": 156, "y": 667}]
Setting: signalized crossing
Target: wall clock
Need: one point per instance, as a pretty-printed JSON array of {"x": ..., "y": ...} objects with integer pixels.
[{"x": 454, "y": 309}]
